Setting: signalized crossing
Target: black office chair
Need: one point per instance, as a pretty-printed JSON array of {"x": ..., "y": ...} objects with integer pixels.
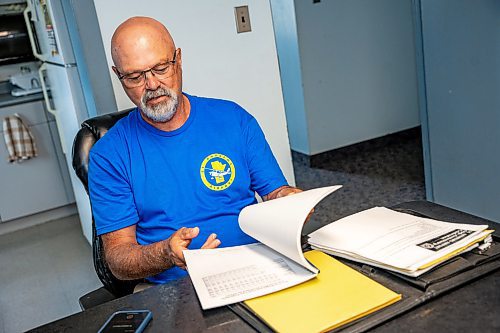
[{"x": 92, "y": 130}]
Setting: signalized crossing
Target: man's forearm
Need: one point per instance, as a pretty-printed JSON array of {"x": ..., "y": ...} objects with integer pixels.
[{"x": 133, "y": 261}]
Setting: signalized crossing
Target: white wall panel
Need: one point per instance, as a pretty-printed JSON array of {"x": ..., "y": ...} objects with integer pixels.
[{"x": 358, "y": 70}]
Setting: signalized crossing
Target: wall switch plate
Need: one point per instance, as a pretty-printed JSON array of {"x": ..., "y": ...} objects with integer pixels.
[{"x": 242, "y": 19}]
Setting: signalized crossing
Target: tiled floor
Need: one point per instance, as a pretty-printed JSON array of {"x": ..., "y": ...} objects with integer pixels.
[{"x": 44, "y": 270}]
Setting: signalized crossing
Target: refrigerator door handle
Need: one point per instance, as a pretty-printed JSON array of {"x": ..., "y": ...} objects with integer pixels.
[
  {"x": 42, "y": 68},
  {"x": 31, "y": 34}
]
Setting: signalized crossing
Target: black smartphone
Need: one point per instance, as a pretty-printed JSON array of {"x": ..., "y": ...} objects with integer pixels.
[{"x": 130, "y": 321}]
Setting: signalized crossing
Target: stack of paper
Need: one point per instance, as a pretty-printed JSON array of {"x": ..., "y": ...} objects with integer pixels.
[
  {"x": 233, "y": 274},
  {"x": 396, "y": 241},
  {"x": 337, "y": 296}
]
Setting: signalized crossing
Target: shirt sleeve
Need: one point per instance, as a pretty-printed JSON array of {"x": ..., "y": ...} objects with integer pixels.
[
  {"x": 111, "y": 197},
  {"x": 265, "y": 173}
]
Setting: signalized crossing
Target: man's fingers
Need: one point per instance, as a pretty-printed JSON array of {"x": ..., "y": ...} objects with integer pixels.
[
  {"x": 288, "y": 191},
  {"x": 212, "y": 242},
  {"x": 188, "y": 233},
  {"x": 180, "y": 241}
]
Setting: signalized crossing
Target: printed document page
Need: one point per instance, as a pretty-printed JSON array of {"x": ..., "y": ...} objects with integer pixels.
[
  {"x": 394, "y": 239},
  {"x": 227, "y": 275},
  {"x": 278, "y": 223},
  {"x": 234, "y": 274}
]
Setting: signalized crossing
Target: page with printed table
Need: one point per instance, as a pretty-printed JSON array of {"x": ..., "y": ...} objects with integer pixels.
[{"x": 228, "y": 275}]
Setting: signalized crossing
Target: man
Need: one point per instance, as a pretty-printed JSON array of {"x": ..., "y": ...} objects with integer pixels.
[{"x": 176, "y": 172}]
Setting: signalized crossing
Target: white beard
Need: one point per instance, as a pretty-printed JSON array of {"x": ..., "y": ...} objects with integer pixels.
[{"x": 161, "y": 112}]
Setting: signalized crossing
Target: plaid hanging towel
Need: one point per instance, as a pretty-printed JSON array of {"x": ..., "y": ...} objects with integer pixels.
[{"x": 18, "y": 138}]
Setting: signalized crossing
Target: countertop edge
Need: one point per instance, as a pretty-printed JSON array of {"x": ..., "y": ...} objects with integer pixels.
[{"x": 9, "y": 100}]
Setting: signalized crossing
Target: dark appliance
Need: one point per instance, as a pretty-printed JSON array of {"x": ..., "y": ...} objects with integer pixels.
[{"x": 15, "y": 44}]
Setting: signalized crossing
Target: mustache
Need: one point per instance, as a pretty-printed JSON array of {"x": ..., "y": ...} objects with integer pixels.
[{"x": 150, "y": 94}]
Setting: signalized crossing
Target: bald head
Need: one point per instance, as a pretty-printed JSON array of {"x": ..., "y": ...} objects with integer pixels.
[{"x": 138, "y": 35}]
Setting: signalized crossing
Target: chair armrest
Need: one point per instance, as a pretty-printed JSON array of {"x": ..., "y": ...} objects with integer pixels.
[{"x": 95, "y": 297}]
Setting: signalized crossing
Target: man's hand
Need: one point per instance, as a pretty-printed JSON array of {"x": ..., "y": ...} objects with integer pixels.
[
  {"x": 283, "y": 192},
  {"x": 280, "y": 192},
  {"x": 128, "y": 260},
  {"x": 180, "y": 240}
]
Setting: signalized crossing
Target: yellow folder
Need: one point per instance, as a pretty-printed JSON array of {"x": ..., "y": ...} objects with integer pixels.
[{"x": 337, "y": 296}]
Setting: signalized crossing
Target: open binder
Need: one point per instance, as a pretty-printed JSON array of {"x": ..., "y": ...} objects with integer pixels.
[{"x": 415, "y": 291}]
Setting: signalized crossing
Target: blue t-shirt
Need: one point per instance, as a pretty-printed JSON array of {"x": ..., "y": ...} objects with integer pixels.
[{"x": 202, "y": 174}]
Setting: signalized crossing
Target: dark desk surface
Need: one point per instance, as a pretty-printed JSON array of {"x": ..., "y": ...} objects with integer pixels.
[{"x": 471, "y": 308}]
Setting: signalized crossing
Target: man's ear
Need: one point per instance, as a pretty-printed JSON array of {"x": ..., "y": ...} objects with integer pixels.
[{"x": 179, "y": 56}]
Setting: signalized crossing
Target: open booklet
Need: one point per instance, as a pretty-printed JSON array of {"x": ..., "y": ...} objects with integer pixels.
[
  {"x": 404, "y": 243},
  {"x": 228, "y": 275}
]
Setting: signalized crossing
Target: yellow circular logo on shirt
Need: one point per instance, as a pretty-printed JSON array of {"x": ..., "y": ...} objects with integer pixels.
[{"x": 217, "y": 172}]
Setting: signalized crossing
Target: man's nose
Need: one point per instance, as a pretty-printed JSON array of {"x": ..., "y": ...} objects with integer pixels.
[{"x": 152, "y": 82}]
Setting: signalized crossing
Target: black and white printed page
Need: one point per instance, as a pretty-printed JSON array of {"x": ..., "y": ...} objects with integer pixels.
[
  {"x": 234, "y": 274},
  {"x": 228, "y": 275},
  {"x": 394, "y": 240}
]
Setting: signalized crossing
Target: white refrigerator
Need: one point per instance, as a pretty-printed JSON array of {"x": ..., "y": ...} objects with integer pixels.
[{"x": 64, "y": 41}]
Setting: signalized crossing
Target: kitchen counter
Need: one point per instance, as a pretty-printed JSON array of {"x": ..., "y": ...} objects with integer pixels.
[{"x": 7, "y": 99}]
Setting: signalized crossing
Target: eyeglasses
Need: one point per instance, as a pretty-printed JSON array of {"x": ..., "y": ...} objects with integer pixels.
[{"x": 161, "y": 71}]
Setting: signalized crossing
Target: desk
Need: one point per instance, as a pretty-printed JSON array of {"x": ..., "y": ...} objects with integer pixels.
[{"x": 471, "y": 308}]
